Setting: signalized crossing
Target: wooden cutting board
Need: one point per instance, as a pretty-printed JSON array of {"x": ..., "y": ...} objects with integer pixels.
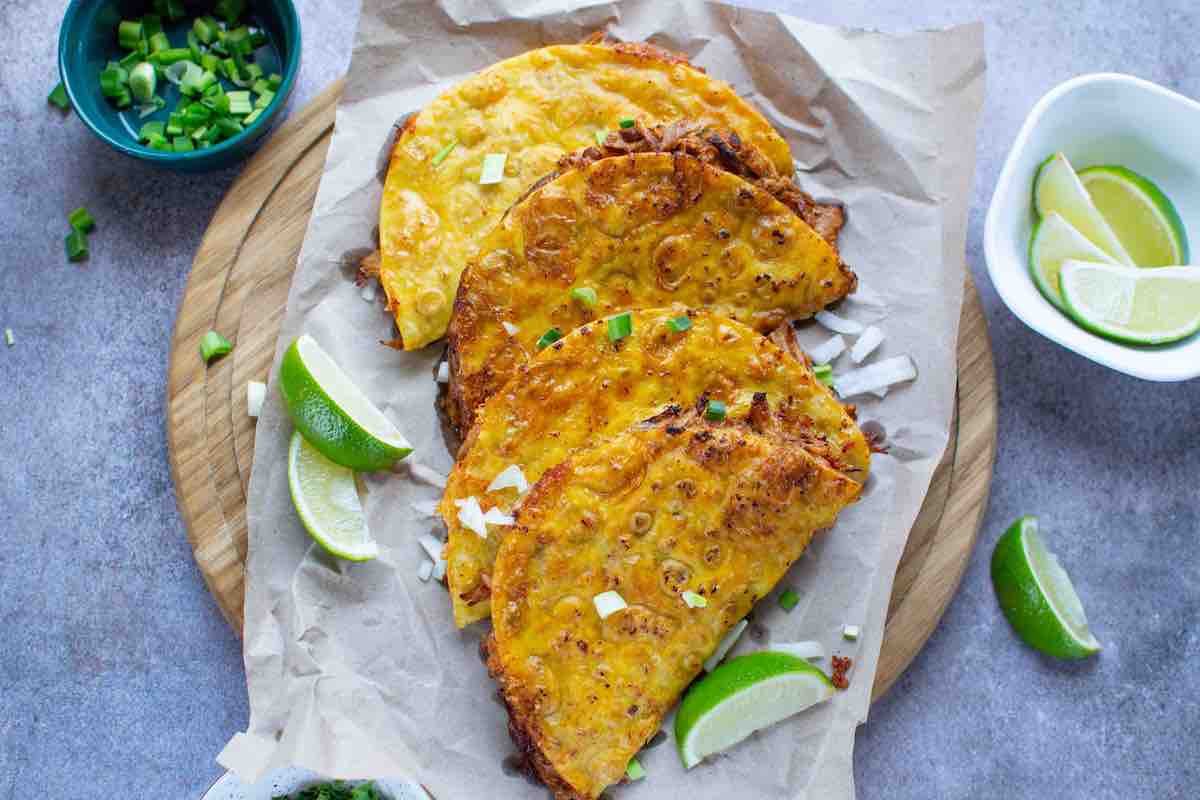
[{"x": 239, "y": 286}]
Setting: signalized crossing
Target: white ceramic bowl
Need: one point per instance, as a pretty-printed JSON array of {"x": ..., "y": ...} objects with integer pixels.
[{"x": 1097, "y": 119}]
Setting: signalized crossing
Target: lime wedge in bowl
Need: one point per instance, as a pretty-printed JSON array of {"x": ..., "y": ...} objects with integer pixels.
[
  {"x": 1144, "y": 219},
  {"x": 743, "y": 695},
  {"x": 1037, "y": 596},
  {"x": 326, "y": 498},
  {"x": 333, "y": 414},
  {"x": 1057, "y": 189},
  {"x": 1130, "y": 305},
  {"x": 1054, "y": 241}
]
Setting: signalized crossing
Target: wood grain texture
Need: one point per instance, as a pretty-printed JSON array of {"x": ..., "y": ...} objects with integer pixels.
[{"x": 239, "y": 285}]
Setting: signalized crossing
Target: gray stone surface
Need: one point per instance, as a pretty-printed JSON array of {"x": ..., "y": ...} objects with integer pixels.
[{"x": 118, "y": 677}]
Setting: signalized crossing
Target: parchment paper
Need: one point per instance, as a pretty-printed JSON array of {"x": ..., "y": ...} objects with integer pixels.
[{"x": 357, "y": 670}]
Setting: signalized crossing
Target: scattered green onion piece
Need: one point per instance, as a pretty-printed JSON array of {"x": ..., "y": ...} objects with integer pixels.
[
  {"x": 131, "y": 60},
  {"x": 238, "y": 41},
  {"x": 175, "y": 9},
  {"x": 679, "y": 324},
  {"x": 620, "y": 326},
  {"x": 81, "y": 220},
  {"x": 440, "y": 156},
  {"x": 493, "y": 169},
  {"x": 635, "y": 771},
  {"x": 159, "y": 42},
  {"x": 196, "y": 115},
  {"x": 205, "y": 29},
  {"x": 788, "y": 599},
  {"x": 275, "y": 81},
  {"x": 174, "y": 129},
  {"x": 261, "y": 87},
  {"x": 253, "y": 116},
  {"x": 217, "y": 102},
  {"x": 210, "y": 62},
  {"x": 157, "y": 141},
  {"x": 129, "y": 34},
  {"x": 153, "y": 128},
  {"x": 171, "y": 55},
  {"x": 124, "y": 99},
  {"x": 196, "y": 81},
  {"x": 142, "y": 81},
  {"x": 239, "y": 103},
  {"x": 257, "y": 39},
  {"x": 230, "y": 10},
  {"x": 254, "y": 72},
  {"x": 77, "y": 246},
  {"x": 229, "y": 126},
  {"x": 824, "y": 373},
  {"x": 112, "y": 82},
  {"x": 194, "y": 46},
  {"x": 548, "y": 338},
  {"x": 211, "y": 134},
  {"x": 182, "y": 144},
  {"x": 714, "y": 411},
  {"x": 264, "y": 100},
  {"x": 58, "y": 97},
  {"x": 151, "y": 24},
  {"x": 9, "y": 339},
  {"x": 585, "y": 296},
  {"x": 626, "y": 123},
  {"x": 600, "y": 137},
  {"x": 229, "y": 67}
]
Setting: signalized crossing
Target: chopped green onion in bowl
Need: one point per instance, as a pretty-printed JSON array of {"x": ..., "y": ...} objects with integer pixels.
[
  {"x": 548, "y": 338},
  {"x": 620, "y": 326}
]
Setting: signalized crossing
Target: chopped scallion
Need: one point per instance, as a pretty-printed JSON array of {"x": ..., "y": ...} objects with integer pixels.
[
  {"x": 123, "y": 100},
  {"x": 131, "y": 60},
  {"x": 679, "y": 324},
  {"x": 158, "y": 42},
  {"x": 264, "y": 100},
  {"x": 493, "y": 168},
  {"x": 129, "y": 34},
  {"x": 253, "y": 116},
  {"x": 254, "y": 72},
  {"x": 239, "y": 103},
  {"x": 440, "y": 156},
  {"x": 714, "y": 411},
  {"x": 600, "y": 137},
  {"x": 142, "y": 82},
  {"x": 171, "y": 55},
  {"x": 824, "y": 373},
  {"x": 210, "y": 62},
  {"x": 788, "y": 599},
  {"x": 548, "y": 338},
  {"x": 81, "y": 220},
  {"x": 77, "y": 246},
  {"x": 205, "y": 29},
  {"x": 151, "y": 25},
  {"x": 156, "y": 127},
  {"x": 229, "y": 10},
  {"x": 182, "y": 144},
  {"x": 262, "y": 87},
  {"x": 585, "y": 296},
  {"x": 620, "y": 326},
  {"x": 58, "y": 97},
  {"x": 635, "y": 771},
  {"x": 157, "y": 141},
  {"x": 275, "y": 81},
  {"x": 626, "y": 123},
  {"x": 213, "y": 345},
  {"x": 257, "y": 39},
  {"x": 9, "y": 339},
  {"x": 112, "y": 82}
]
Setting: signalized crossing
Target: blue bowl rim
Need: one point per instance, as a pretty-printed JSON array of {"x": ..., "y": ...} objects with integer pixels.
[{"x": 136, "y": 150}]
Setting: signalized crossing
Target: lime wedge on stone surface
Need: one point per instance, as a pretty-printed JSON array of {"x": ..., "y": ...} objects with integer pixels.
[
  {"x": 1054, "y": 241},
  {"x": 1057, "y": 189},
  {"x": 333, "y": 414},
  {"x": 743, "y": 695},
  {"x": 1133, "y": 306},
  {"x": 326, "y": 498},
  {"x": 1144, "y": 219},
  {"x": 1036, "y": 594}
]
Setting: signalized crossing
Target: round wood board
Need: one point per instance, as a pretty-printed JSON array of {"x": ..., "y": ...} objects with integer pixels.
[{"x": 239, "y": 286}]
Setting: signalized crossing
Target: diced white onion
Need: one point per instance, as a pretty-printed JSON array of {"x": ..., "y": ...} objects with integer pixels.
[
  {"x": 608, "y": 603},
  {"x": 425, "y": 570},
  {"x": 725, "y": 646},
  {"x": 495, "y": 516},
  {"x": 851, "y": 632},
  {"x": 426, "y": 508},
  {"x": 443, "y": 375},
  {"x": 871, "y": 338},
  {"x": 828, "y": 350},
  {"x": 431, "y": 545},
  {"x": 509, "y": 328},
  {"x": 511, "y": 477},
  {"x": 368, "y": 293},
  {"x": 471, "y": 516},
  {"x": 837, "y": 324},
  {"x": 694, "y": 600},
  {"x": 809, "y": 651},
  {"x": 439, "y": 569},
  {"x": 879, "y": 375},
  {"x": 256, "y": 393},
  {"x": 880, "y": 393},
  {"x": 427, "y": 474},
  {"x": 492, "y": 170}
]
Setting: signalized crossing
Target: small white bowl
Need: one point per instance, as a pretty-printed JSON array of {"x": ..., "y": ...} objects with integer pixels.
[{"x": 1097, "y": 119}]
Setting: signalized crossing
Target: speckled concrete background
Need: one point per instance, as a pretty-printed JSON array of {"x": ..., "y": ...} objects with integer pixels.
[{"x": 118, "y": 677}]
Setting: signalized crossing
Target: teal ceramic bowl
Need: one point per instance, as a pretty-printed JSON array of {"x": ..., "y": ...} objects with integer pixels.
[{"x": 87, "y": 41}]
